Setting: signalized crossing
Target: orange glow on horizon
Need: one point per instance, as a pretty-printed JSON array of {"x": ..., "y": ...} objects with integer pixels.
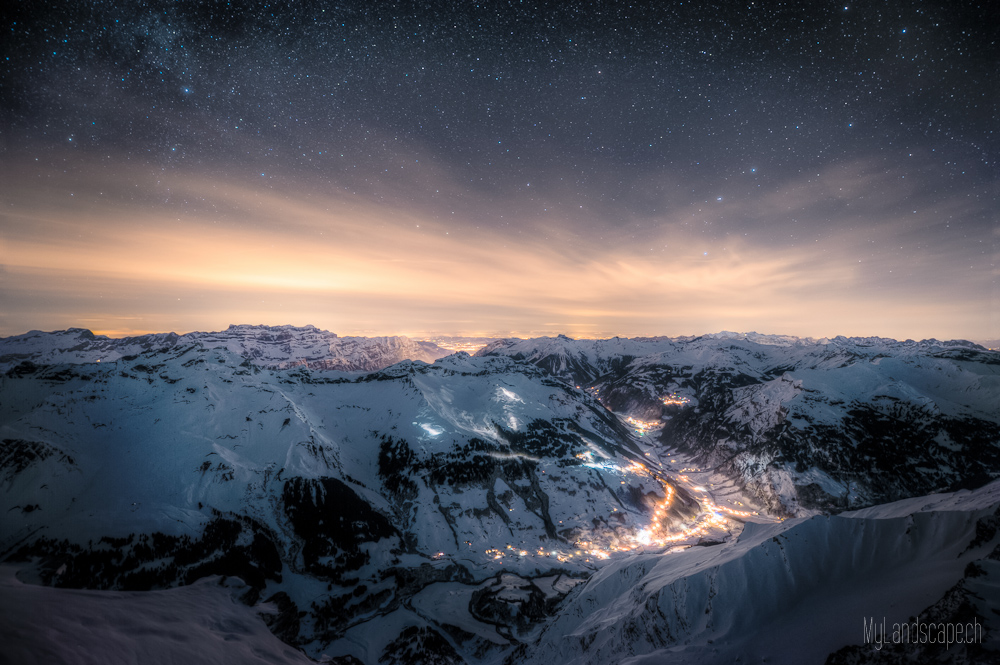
[{"x": 245, "y": 255}]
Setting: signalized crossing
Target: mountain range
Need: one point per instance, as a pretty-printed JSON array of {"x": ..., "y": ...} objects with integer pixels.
[{"x": 545, "y": 500}]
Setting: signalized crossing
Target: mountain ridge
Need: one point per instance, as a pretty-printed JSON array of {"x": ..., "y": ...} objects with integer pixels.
[
  {"x": 270, "y": 346},
  {"x": 482, "y": 507}
]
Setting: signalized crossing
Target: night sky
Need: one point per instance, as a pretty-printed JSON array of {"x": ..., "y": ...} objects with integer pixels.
[{"x": 593, "y": 169}]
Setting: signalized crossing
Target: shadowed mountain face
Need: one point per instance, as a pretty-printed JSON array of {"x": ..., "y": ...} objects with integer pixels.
[{"x": 472, "y": 507}]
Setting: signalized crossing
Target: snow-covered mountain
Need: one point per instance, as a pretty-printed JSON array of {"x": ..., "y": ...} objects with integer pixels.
[
  {"x": 546, "y": 500},
  {"x": 797, "y": 591},
  {"x": 341, "y": 496},
  {"x": 267, "y": 346},
  {"x": 803, "y": 424},
  {"x": 201, "y": 623}
]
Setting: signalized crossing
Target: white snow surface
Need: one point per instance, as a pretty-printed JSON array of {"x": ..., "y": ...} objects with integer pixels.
[
  {"x": 128, "y": 441},
  {"x": 930, "y": 371},
  {"x": 266, "y": 346},
  {"x": 781, "y": 593},
  {"x": 820, "y": 390},
  {"x": 200, "y": 623}
]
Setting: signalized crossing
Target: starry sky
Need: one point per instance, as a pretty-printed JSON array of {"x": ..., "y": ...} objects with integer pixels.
[{"x": 602, "y": 168}]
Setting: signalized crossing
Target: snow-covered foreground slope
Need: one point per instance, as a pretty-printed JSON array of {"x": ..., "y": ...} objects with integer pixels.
[
  {"x": 792, "y": 592},
  {"x": 201, "y": 623},
  {"x": 788, "y": 593},
  {"x": 494, "y": 509}
]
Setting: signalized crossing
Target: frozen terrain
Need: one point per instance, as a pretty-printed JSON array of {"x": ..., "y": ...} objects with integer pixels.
[
  {"x": 201, "y": 623},
  {"x": 550, "y": 500},
  {"x": 801, "y": 424},
  {"x": 267, "y": 346}
]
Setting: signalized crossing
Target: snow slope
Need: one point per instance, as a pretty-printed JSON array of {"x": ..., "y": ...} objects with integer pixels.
[
  {"x": 347, "y": 494},
  {"x": 786, "y": 593},
  {"x": 200, "y": 623},
  {"x": 544, "y": 501}
]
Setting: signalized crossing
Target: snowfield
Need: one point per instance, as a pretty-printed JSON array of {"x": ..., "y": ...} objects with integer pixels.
[
  {"x": 552, "y": 501},
  {"x": 200, "y": 623}
]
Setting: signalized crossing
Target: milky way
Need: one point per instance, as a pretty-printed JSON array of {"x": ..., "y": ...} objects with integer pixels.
[{"x": 588, "y": 168}]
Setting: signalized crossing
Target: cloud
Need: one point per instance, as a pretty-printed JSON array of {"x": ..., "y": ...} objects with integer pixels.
[{"x": 199, "y": 251}]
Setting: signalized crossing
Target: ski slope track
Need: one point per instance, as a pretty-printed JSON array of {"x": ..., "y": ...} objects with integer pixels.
[{"x": 552, "y": 500}]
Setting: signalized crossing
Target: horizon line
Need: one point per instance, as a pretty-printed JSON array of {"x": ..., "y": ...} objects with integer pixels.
[{"x": 429, "y": 336}]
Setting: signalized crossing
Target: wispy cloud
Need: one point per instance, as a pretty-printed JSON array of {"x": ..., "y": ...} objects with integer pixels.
[{"x": 198, "y": 251}]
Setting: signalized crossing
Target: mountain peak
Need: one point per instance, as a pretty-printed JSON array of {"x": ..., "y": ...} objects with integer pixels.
[
  {"x": 266, "y": 346},
  {"x": 239, "y": 327}
]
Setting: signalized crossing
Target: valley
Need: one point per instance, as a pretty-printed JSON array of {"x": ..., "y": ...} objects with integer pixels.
[{"x": 547, "y": 500}]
